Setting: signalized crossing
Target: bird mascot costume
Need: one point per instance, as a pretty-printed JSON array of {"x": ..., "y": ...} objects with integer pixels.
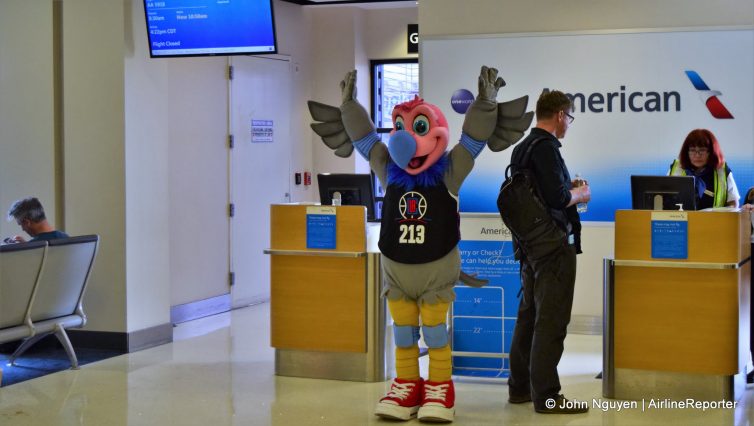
[{"x": 419, "y": 232}]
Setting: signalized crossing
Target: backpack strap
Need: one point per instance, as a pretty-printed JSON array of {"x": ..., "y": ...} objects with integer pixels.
[
  {"x": 527, "y": 154},
  {"x": 524, "y": 164}
]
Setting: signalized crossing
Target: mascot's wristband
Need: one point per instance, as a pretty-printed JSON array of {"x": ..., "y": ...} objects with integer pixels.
[
  {"x": 365, "y": 144},
  {"x": 472, "y": 145}
]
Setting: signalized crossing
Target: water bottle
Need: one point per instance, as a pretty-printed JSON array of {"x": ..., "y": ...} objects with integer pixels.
[
  {"x": 336, "y": 198},
  {"x": 579, "y": 181}
]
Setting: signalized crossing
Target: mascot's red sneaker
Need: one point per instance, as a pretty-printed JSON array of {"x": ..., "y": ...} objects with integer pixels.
[
  {"x": 438, "y": 402},
  {"x": 403, "y": 400}
]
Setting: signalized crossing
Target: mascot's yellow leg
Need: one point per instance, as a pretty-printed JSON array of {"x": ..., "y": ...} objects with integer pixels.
[
  {"x": 440, "y": 366},
  {"x": 406, "y": 313}
]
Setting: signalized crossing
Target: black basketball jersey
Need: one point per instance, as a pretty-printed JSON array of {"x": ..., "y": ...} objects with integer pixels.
[{"x": 420, "y": 225}]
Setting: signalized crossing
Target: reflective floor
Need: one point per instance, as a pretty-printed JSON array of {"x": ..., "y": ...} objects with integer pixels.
[{"x": 220, "y": 371}]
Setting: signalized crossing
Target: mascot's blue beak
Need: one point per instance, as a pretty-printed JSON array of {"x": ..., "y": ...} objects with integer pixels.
[{"x": 402, "y": 147}]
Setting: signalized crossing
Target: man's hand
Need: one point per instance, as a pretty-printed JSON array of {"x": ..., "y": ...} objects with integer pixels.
[
  {"x": 14, "y": 239},
  {"x": 581, "y": 194}
]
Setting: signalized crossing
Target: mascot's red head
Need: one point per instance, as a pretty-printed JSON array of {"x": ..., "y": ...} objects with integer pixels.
[{"x": 419, "y": 137}]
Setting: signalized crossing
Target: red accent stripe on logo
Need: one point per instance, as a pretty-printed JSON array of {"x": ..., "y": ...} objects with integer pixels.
[{"x": 717, "y": 109}]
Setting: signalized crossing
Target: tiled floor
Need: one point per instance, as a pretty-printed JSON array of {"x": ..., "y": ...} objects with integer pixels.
[{"x": 219, "y": 371}]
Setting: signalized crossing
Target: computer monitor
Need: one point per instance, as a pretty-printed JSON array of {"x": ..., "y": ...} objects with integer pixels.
[
  {"x": 663, "y": 192},
  {"x": 354, "y": 189}
]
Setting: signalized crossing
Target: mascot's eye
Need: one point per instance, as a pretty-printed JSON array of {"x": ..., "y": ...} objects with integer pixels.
[
  {"x": 399, "y": 123},
  {"x": 421, "y": 125}
]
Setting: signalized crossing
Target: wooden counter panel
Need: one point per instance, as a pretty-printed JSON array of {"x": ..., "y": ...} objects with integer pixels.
[
  {"x": 716, "y": 237},
  {"x": 288, "y": 227},
  {"x": 674, "y": 319},
  {"x": 318, "y": 303}
]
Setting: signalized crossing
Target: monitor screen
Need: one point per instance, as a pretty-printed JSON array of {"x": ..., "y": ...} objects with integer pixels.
[
  {"x": 663, "y": 192},
  {"x": 354, "y": 190},
  {"x": 209, "y": 27}
]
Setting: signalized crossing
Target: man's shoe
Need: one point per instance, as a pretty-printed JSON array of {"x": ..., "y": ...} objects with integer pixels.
[
  {"x": 519, "y": 399},
  {"x": 402, "y": 401},
  {"x": 438, "y": 402},
  {"x": 560, "y": 405}
]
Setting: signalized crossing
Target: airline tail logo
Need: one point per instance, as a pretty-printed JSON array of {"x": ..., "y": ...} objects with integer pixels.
[{"x": 709, "y": 97}]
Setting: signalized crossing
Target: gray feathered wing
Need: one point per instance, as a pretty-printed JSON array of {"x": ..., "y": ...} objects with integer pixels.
[
  {"x": 512, "y": 122},
  {"x": 329, "y": 126}
]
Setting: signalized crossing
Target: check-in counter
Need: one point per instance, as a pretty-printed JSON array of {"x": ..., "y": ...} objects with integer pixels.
[
  {"x": 327, "y": 317},
  {"x": 676, "y": 305}
]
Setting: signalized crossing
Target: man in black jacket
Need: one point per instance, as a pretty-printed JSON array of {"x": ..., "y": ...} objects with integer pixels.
[{"x": 548, "y": 282}]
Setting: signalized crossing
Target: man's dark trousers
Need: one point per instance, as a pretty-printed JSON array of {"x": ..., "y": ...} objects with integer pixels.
[{"x": 543, "y": 317}]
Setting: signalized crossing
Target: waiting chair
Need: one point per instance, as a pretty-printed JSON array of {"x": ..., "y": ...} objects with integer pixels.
[
  {"x": 57, "y": 301},
  {"x": 20, "y": 269}
]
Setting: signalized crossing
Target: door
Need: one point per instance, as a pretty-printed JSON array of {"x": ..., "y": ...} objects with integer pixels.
[
  {"x": 260, "y": 168},
  {"x": 198, "y": 182}
]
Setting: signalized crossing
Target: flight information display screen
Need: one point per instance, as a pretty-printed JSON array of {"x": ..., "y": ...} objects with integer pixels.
[{"x": 209, "y": 27}]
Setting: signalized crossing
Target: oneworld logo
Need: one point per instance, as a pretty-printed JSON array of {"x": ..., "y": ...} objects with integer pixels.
[
  {"x": 709, "y": 97},
  {"x": 461, "y": 100}
]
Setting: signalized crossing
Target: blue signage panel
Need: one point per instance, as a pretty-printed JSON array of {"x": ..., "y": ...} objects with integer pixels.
[
  {"x": 483, "y": 318},
  {"x": 670, "y": 239},
  {"x": 320, "y": 231}
]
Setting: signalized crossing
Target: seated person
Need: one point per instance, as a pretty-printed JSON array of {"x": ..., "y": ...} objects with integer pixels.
[
  {"x": 702, "y": 157},
  {"x": 30, "y": 216}
]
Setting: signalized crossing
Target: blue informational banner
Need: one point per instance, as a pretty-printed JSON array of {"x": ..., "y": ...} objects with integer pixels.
[
  {"x": 483, "y": 318},
  {"x": 670, "y": 235},
  {"x": 320, "y": 227}
]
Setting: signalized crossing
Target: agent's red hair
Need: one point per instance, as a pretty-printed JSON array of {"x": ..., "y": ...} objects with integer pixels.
[{"x": 701, "y": 138}]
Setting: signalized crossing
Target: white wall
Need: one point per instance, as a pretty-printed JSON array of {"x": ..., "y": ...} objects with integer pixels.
[
  {"x": 94, "y": 149},
  {"x": 450, "y": 18},
  {"x": 148, "y": 215},
  {"x": 294, "y": 36},
  {"x": 27, "y": 146}
]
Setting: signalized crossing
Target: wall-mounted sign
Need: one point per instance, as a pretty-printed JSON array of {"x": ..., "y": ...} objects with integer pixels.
[
  {"x": 413, "y": 38},
  {"x": 261, "y": 131}
]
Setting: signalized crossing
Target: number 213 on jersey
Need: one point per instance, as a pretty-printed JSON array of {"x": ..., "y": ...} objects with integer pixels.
[{"x": 411, "y": 234}]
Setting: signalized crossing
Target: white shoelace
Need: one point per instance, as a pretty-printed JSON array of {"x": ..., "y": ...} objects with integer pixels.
[
  {"x": 436, "y": 392},
  {"x": 400, "y": 390}
]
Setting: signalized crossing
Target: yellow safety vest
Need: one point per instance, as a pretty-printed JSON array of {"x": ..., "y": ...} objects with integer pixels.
[{"x": 721, "y": 182}]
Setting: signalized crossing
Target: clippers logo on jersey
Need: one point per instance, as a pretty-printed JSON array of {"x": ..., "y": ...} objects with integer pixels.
[
  {"x": 412, "y": 206},
  {"x": 709, "y": 97}
]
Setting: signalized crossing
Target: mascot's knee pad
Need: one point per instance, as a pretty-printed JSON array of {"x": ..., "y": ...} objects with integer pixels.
[
  {"x": 405, "y": 336},
  {"x": 435, "y": 336}
]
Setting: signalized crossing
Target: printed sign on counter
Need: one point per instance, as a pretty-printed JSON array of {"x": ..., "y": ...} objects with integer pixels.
[
  {"x": 320, "y": 227},
  {"x": 670, "y": 235}
]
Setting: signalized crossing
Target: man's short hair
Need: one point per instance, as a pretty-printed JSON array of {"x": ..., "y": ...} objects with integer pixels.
[
  {"x": 551, "y": 102},
  {"x": 27, "y": 208}
]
